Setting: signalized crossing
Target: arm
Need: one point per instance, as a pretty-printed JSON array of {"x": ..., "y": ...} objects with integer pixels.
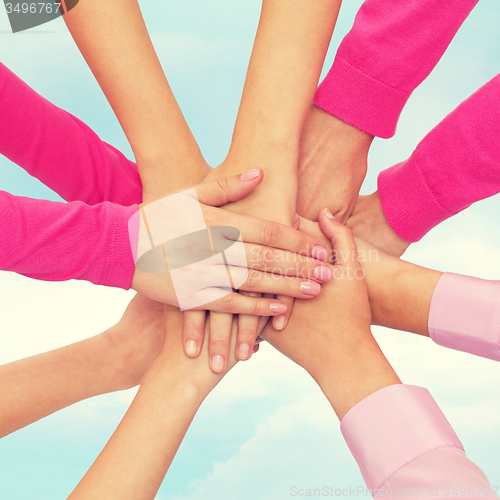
[
  {"x": 80, "y": 166},
  {"x": 135, "y": 460},
  {"x": 115, "y": 360},
  {"x": 397, "y": 433},
  {"x": 390, "y": 50},
  {"x": 454, "y": 166},
  {"x": 127, "y": 69},
  {"x": 287, "y": 57}
]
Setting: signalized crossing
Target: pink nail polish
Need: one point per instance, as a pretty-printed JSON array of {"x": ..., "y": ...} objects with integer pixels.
[
  {"x": 250, "y": 175},
  {"x": 329, "y": 214},
  {"x": 278, "y": 308},
  {"x": 243, "y": 351},
  {"x": 191, "y": 348},
  {"x": 279, "y": 322},
  {"x": 217, "y": 363},
  {"x": 323, "y": 273},
  {"x": 310, "y": 288},
  {"x": 319, "y": 253},
  {"x": 296, "y": 219}
]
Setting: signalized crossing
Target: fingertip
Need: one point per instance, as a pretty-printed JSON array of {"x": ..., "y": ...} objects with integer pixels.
[
  {"x": 251, "y": 175},
  {"x": 279, "y": 322}
]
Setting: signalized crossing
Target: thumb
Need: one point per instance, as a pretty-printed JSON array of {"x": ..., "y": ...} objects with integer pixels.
[
  {"x": 227, "y": 189},
  {"x": 343, "y": 243}
]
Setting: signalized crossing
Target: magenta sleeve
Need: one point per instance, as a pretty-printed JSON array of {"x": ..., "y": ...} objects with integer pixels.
[
  {"x": 401, "y": 440},
  {"x": 60, "y": 150},
  {"x": 455, "y": 165},
  {"x": 465, "y": 315},
  {"x": 391, "y": 48},
  {"x": 54, "y": 241}
]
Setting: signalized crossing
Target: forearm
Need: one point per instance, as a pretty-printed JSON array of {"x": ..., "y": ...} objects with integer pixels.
[
  {"x": 288, "y": 54},
  {"x": 138, "y": 455},
  {"x": 117, "y": 359},
  {"x": 126, "y": 67},
  {"x": 36, "y": 387}
]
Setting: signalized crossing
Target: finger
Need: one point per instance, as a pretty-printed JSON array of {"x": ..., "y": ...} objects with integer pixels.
[
  {"x": 296, "y": 222},
  {"x": 286, "y": 263},
  {"x": 227, "y": 189},
  {"x": 237, "y": 303},
  {"x": 193, "y": 332},
  {"x": 343, "y": 243},
  {"x": 247, "y": 332},
  {"x": 219, "y": 340},
  {"x": 267, "y": 233},
  {"x": 280, "y": 322},
  {"x": 260, "y": 282}
]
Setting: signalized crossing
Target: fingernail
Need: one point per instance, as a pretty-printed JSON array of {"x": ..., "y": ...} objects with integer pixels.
[
  {"x": 323, "y": 273},
  {"x": 296, "y": 219},
  {"x": 319, "y": 253},
  {"x": 278, "y": 308},
  {"x": 217, "y": 363},
  {"x": 191, "y": 348},
  {"x": 255, "y": 348},
  {"x": 279, "y": 322},
  {"x": 310, "y": 288},
  {"x": 250, "y": 174},
  {"x": 329, "y": 214},
  {"x": 243, "y": 351}
]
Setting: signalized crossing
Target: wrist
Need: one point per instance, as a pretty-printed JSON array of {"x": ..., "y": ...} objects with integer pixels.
[{"x": 353, "y": 372}]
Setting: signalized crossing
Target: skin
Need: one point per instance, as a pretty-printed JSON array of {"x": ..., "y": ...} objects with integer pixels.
[
  {"x": 287, "y": 57},
  {"x": 369, "y": 223},
  {"x": 332, "y": 165},
  {"x": 160, "y": 287}
]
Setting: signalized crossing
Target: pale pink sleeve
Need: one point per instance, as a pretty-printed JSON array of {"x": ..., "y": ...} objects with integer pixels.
[
  {"x": 401, "y": 441},
  {"x": 60, "y": 150},
  {"x": 391, "y": 49},
  {"x": 465, "y": 315},
  {"x": 54, "y": 241},
  {"x": 455, "y": 165}
]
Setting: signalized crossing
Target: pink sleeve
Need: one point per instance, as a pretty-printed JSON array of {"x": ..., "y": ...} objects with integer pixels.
[
  {"x": 465, "y": 315},
  {"x": 55, "y": 241},
  {"x": 391, "y": 49},
  {"x": 402, "y": 441},
  {"x": 60, "y": 150},
  {"x": 455, "y": 165}
]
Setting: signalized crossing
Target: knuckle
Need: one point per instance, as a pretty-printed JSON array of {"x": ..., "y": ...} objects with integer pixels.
[
  {"x": 246, "y": 334},
  {"x": 265, "y": 257},
  {"x": 271, "y": 233},
  {"x": 229, "y": 302},
  {"x": 219, "y": 345},
  {"x": 253, "y": 279}
]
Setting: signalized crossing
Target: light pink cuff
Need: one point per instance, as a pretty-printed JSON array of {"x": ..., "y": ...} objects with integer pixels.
[
  {"x": 465, "y": 315},
  {"x": 360, "y": 100},
  {"x": 408, "y": 204},
  {"x": 393, "y": 426}
]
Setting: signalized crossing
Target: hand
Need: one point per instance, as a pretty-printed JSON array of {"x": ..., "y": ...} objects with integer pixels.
[
  {"x": 332, "y": 165},
  {"x": 263, "y": 233},
  {"x": 272, "y": 202},
  {"x": 369, "y": 223}
]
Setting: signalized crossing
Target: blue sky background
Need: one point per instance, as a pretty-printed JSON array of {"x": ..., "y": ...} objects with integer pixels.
[{"x": 266, "y": 427}]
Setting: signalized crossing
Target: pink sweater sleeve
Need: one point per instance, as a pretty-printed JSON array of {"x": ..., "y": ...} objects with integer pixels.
[
  {"x": 402, "y": 442},
  {"x": 55, "y": 241},
  {"x": 60, "y": 150},
  {"x": 455, "y": 165},
  {"x": 465, "y": 315},
  {"x": 391, "y": 49}
]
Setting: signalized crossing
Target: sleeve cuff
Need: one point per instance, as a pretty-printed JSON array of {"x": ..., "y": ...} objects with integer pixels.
[
  {"x": 393, "y": 426},
  {"x": 407, "y": 202},
  {"x": 465, "y": 315},
  {"x": 360, "y": 100},
  {"x": 114, "y": 263}
]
